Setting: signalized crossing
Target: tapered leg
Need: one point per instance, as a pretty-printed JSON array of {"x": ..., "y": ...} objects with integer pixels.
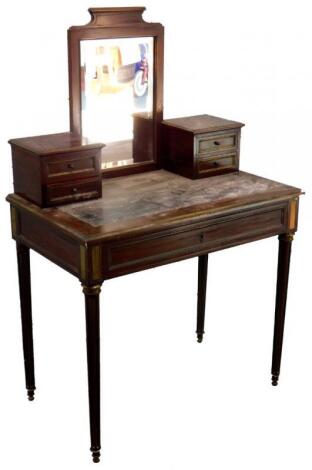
[
  {"x": 201, "y": 296},
  {"x": 285, "y": 241},
  {"x": 93, "y": 356},
  {"x": 23, "y": 264}
]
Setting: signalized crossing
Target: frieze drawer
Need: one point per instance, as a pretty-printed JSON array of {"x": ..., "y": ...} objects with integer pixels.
[{"x": 125, "y": 257}]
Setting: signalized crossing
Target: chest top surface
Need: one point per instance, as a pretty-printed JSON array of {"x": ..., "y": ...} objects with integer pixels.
[
  {"x": 159, "y": 199},
  {"x": 54, "y": 143},
  {"x": 203, "y": 123}
]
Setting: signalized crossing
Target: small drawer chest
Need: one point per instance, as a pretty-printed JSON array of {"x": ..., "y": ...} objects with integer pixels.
[
  {"x": 56, "y": 169},
  {"x": 200, "y": 146}
]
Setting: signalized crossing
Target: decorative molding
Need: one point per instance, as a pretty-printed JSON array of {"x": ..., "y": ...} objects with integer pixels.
[
  {"x": 286, "y": 237},
  {"x": 115, "y": 16},
  {"x": 91, "y": 290}
]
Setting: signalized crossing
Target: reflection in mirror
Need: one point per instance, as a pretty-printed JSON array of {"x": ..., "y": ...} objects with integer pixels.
[{"x": 117, "y": 98}]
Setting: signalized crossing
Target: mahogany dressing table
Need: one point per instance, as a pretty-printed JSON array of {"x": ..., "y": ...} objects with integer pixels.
[{"x": 147, "y": 219}]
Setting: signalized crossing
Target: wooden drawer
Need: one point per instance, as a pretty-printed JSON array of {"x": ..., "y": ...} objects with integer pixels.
[
  {"x": 209, "y": 164},
  {"x": 125, "y": 257},
  {"x": 73, "y": 191},
  {"x": 42, "y": 165},
  {"x": 216, "y": 142},
  {"x": 185, "y": 140},
  {"x": 65, "y": 167}
]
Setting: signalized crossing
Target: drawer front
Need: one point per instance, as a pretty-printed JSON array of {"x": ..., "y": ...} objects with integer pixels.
[
  {"x": 216, "y": 142},
  {"x": 73, "y": 191},
  {"x": 64, "y": 167},
  {"x": 125, "y": 257},
  {"x": 216, "y": 165}
]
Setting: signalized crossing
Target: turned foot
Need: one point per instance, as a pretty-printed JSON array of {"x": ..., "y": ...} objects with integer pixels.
[
  {"x": 96, "y": 454},
  {"x": 31, "y": 395},
  {"x": 274, "y": 380},
  {"x": 200, "y": 337}
]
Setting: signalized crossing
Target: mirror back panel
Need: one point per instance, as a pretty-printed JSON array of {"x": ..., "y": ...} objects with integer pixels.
[{"x": 116, "y": 87}]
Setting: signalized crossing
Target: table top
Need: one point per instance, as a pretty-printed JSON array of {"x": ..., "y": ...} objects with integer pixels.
[{"x": 156, "y": 200}]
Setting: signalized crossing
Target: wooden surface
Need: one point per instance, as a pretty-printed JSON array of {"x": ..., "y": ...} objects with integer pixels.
[
  {"x": 23, "y": 264},
  {"x": 55, "y": 143},
  {"x": 158, "y": 199},
  {"x": 133, "y": 203},
  {"x": 197, "y": 155},
  {"x": 202, "y": 123},
  {"x": 285, "y": 242},
  {"x": 56, "y": 169},
  {"x": 107, "y": 16}
]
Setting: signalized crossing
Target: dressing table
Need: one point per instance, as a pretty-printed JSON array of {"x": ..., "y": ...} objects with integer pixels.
[{"x": 145, "y": 214}]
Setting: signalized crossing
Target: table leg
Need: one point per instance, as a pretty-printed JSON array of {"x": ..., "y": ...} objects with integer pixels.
[
  {"x": 92, "y": 306},
  {"x": 285, "y": 241},
  {"x": 23, "y": 264},
  {"x": 201, "y": 296}
]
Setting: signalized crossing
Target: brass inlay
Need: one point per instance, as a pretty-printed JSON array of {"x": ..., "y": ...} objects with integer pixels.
[
  {"x": 96, "y": 262},
  {"x": 287, "y": 237},
  {"x": 91, "y": 290},
  {"x": 292, "y": 214},
  {"x": 14, "y": 221},
  {"x": 83, "y": 263}
]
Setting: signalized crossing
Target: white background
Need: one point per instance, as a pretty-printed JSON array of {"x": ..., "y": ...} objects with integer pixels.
[{"x": 167, "y": 402}]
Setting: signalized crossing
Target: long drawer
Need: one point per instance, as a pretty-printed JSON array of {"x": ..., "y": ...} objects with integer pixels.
[{"x": 127, "y": 256}]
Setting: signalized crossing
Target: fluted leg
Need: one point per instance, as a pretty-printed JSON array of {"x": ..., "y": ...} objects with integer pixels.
[
  {"x": 285, "y": 241},
  {"x": 23, "y": 264},
  {"x": 92, "y": 308},
  {"x": 201, "y": 296}
]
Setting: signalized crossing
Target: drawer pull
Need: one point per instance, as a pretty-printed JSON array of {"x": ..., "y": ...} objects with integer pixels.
[
  {"x": 71, "y": 166},
  {"x": 74, "y": 190},
  {"x": 215, "y": 164},
  {"x": 216, "y": 142}
]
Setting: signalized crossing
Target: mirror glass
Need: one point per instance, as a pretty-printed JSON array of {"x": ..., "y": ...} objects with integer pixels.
[{"x": 117, "y": 98}]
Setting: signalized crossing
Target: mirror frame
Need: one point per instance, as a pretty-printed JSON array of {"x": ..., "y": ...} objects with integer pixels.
[{"x": 108, "y": 23}]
